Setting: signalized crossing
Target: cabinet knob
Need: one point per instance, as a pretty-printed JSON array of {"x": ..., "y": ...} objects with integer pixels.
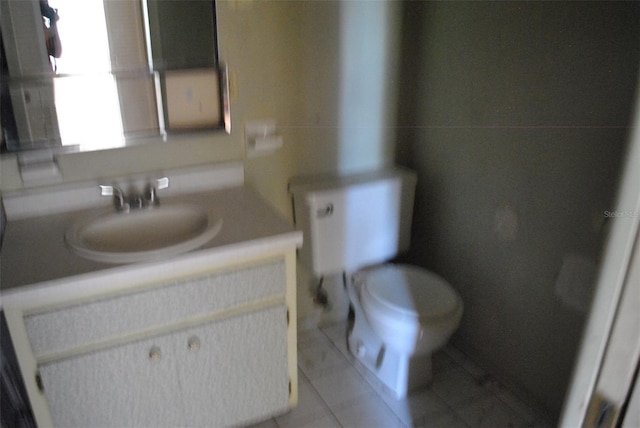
[
  {"x": 193, "y": 344},
  {"x": 155, "y": 354}
]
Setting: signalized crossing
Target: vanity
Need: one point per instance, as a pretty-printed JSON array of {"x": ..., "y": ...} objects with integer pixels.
[{"x": 203, "y": 336}]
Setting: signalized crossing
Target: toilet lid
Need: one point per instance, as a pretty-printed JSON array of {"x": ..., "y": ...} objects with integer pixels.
[{"x": 411, "y": 291}]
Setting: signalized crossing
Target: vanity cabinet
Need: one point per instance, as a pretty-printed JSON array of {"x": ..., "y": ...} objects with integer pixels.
[
  {"x": 206, "y": 349},
  {"x": 216, "y": 374}
]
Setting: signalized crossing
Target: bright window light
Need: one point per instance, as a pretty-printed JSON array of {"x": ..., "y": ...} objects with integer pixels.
[{"x": 87, "y": 104}]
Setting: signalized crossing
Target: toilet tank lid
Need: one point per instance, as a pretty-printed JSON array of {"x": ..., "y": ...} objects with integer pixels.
[
  {"x": 307, "y": 184},
  {"x": 410, "y": 290}
]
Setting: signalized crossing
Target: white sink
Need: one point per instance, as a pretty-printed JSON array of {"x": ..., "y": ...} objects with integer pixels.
[{"x": 143, "y": 234}]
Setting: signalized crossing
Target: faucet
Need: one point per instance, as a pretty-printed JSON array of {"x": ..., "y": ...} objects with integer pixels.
[
  {"x": 150, "y": 193},
  {"x": 118, "y": 197},
  {"x": 124, "y": 203}
]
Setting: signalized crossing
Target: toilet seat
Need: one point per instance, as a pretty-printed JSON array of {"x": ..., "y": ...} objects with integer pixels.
[{"x": 408, "y": 292}]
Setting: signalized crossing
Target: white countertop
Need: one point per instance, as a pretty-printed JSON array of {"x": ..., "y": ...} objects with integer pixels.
[{"x": 35, "y": 261}]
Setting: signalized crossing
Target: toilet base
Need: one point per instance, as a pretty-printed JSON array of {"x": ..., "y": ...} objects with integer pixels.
[{"x": 400, "y": 373}]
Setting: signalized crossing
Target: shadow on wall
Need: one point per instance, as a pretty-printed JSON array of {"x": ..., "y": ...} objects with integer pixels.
[
  {"x": 515, "y": 116},
  {"x": 14, "y": 404}
]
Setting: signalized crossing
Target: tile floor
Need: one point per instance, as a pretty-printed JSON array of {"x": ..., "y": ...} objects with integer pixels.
[{"x": 335, "y": 390}]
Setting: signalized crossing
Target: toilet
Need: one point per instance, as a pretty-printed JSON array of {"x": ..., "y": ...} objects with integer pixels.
[{"x": 353, "y": 226}]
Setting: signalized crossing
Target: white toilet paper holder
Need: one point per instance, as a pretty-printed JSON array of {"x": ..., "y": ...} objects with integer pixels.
[{"x": 261, "y": 137}]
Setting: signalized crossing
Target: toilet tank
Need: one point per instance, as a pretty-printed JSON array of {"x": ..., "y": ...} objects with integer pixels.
[{"x": 353, "y": 221}]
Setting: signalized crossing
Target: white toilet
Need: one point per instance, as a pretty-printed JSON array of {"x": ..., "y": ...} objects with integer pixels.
[{"x": 352, "y": 225}]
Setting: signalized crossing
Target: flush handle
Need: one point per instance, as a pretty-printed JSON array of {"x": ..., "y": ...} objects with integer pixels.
[{"x": 326, "y": 211}]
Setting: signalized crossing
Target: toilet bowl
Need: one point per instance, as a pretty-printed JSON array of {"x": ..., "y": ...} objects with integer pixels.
[
  {"x": 402, "y": 315},
  {"x": 354, "y": 224},
  {"x": 411, "y": 309}
]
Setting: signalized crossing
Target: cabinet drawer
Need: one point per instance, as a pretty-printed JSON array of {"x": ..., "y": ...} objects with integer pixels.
[{"x": 92, "y": 322}]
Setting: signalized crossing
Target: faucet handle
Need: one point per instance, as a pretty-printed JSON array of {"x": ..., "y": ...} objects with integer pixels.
[
  {"x": 107, "y": 190},
  {"x": 160, "y": 183}
]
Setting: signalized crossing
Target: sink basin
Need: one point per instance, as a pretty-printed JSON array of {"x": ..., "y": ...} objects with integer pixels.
[{"x": 143, "y": 234}]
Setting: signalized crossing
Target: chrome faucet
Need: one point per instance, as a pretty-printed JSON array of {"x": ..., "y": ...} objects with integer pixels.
[
  {"x": 118, "y": 197},
  {"x": 150, "y": 193},
  {"x": 124, "y": 203}
]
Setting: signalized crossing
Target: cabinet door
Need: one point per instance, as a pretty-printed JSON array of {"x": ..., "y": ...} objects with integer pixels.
[
  {"x": 129, "y": 385},
  {"x": 235, "y": 370}
]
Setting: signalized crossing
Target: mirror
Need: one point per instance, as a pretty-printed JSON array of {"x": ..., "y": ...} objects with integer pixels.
[{"x": 99, "y": 74}]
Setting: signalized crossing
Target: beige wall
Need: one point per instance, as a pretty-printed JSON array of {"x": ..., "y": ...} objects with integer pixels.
[
  {"x": 515, "y": 116},
  {"x": 334, "y": 76}
]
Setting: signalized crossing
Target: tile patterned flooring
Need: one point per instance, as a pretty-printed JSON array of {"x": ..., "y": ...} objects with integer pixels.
[{"x": 335, "y": 390}]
